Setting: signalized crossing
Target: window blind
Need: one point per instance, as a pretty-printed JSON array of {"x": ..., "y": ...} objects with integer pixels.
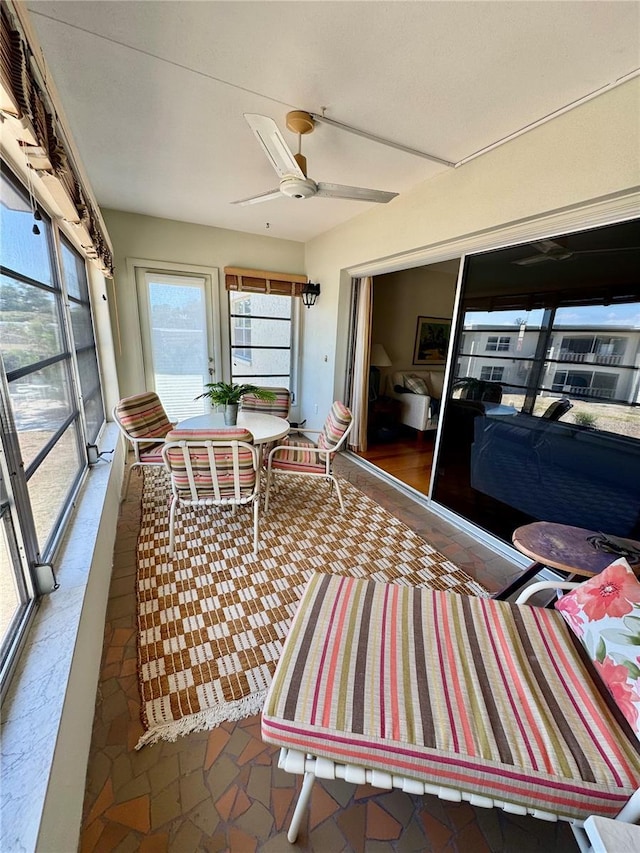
[
  {"x": 260, "y": 281},
  {"x": 25, "y": 101}
]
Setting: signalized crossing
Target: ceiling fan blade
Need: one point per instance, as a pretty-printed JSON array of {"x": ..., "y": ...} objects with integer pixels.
[
  {"x": 256, "y": 199},
  {"x": 550, "y": 250},
  {"x": 355, "y": 193},
  {"x": 546, "y": 246},
  {"x": 530, "y": 260},
  {"x": 274, "y": 145},
  {"x": 610, "y": 251}
]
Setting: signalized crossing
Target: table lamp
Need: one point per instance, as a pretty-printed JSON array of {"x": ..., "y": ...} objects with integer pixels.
[{"x": 378, "y": 358}]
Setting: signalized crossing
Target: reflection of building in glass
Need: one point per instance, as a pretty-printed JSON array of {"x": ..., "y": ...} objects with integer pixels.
[
  {"x": 261, "y": 338},
  {"x": 242, "y": 330},
  {"x": 590, "y": 362}
]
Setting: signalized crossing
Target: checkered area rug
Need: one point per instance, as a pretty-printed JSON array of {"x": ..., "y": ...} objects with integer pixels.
[{"x": 212, "y": 620}]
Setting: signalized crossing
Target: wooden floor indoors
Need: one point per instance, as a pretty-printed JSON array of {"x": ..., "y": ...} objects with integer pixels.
[{"x": 409, "y": 458}]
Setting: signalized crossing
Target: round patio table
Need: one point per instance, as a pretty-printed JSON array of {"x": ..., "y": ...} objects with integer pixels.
[
  {"x": 263, "y": 428},
  {"x": 562, "y": 547}
]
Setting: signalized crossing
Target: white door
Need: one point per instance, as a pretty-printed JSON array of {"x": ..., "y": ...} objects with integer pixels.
[{"x": 180, "y": 323}]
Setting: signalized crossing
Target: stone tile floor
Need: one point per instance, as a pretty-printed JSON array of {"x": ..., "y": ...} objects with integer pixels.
[{"x": 221, "y": 790}]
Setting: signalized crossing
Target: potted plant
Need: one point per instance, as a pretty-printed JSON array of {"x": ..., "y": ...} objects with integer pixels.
[
  {"x": 471, "y": 388},
  {"x": 229, "y": 395}
]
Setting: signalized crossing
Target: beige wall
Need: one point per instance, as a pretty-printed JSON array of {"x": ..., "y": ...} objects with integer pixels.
[
  {"x": 585, "y": 155},
  {"x": 150, "y": 238},
  {"x": 399, "y": 298}
]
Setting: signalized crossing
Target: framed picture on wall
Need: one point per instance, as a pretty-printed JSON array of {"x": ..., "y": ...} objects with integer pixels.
[{"x": 432, "y": 340}]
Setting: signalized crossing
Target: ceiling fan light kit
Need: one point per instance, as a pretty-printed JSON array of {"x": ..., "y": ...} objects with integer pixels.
[
  {"x": 298, "y": 187},
  {"x": 292, "y": 168}
]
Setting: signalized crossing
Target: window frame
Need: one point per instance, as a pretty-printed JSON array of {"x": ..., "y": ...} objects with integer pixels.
[
  {"x": 294, "y": 340},
  {"x": 493, "y": 370},
  {"x": 24, "y": 549},
  {"x": 498, "y": 343},
  {"x": 97, "y": 391}
]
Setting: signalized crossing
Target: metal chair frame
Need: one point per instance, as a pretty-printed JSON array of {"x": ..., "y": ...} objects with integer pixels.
[
  {"x": 325, "y": 455},
  {"x": 194, "y": 498},
  {"x": 137, "y": 444}
]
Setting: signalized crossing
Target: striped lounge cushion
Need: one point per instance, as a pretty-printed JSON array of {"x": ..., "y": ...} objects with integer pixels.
[
  {"x": 143, "y": 416},
  {"x": 335, "y": 426},
  {"x": 200, "y": 462},
  {"x": 470, "y": 693},
  {"x": 278, "y": 407}
]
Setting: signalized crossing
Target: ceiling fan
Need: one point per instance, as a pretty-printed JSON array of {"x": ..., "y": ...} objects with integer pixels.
[
  {"x": 292, "y": 168},
  {"x": 550, "y": 250}
]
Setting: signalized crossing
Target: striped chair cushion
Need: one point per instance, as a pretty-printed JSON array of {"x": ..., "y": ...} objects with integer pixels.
[
  {"x": 470, "y": 693},
  {"x": 297, "y": 457},
  {"x": 143, "y": 416},
  {"x": 335, "y": 426},
  {"x": 278, "y": 407},
  {"x": 152, "y": 455},
  {"x": 200, "y": 462}
]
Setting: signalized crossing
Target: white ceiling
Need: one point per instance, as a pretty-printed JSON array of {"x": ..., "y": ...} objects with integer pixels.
[{"x": 155, "y": 92}]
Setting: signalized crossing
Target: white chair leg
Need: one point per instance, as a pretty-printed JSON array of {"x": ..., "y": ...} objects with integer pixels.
[
  {"x": 256, "y": 507},
  {"x": 338, "y": 492},
  {"x": 266, "y": 492},
  {"x": 301, "y": 806},
  {"x": 172, "y": 524}
]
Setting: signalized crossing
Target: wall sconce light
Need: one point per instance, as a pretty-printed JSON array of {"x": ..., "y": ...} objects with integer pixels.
[{"x": 310, "y": 293}]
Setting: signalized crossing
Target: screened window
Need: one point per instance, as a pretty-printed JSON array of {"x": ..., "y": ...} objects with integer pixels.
[
  {"x": 261, "y": 338},
  {"x": 75, "y": 277},
  {"x": 49, "y": 377}
]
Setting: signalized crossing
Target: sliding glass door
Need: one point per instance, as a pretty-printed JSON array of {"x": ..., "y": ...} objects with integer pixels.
[{"x": 542, "y": 417}]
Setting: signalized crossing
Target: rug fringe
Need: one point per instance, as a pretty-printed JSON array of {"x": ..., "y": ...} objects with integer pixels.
[{"x": 208, "y": 719}]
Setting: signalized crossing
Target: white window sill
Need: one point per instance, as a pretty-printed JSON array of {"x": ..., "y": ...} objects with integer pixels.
[{"x": 48, "y": 711}]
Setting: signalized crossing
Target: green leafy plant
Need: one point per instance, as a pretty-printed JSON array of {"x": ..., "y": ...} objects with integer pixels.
[
  {"x": 585, "y": 419},
  {"x": 224, "y": 394},
  {"x": 473, "y": 388}
]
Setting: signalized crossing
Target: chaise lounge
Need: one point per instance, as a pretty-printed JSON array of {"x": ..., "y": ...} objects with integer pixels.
[{"x": 465, "y": 698}]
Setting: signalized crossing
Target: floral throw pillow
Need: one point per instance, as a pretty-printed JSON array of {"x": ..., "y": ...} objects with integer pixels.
[
  {"x": 416, "y": 384},
  {"x": 604, "y": 612}
]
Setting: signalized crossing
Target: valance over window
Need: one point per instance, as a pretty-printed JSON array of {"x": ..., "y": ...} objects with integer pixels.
[
  {"x": 259, "y": 281},
  {"x": 25, "y": 100}
]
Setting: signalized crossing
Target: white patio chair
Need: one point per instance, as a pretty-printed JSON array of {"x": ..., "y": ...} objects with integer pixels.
[
  {"x": 212, "y": 468},
  {"x": 144, "y": 423},
  {"x": 300, "y": 456},
  {"x": 278, "y": 407}
]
